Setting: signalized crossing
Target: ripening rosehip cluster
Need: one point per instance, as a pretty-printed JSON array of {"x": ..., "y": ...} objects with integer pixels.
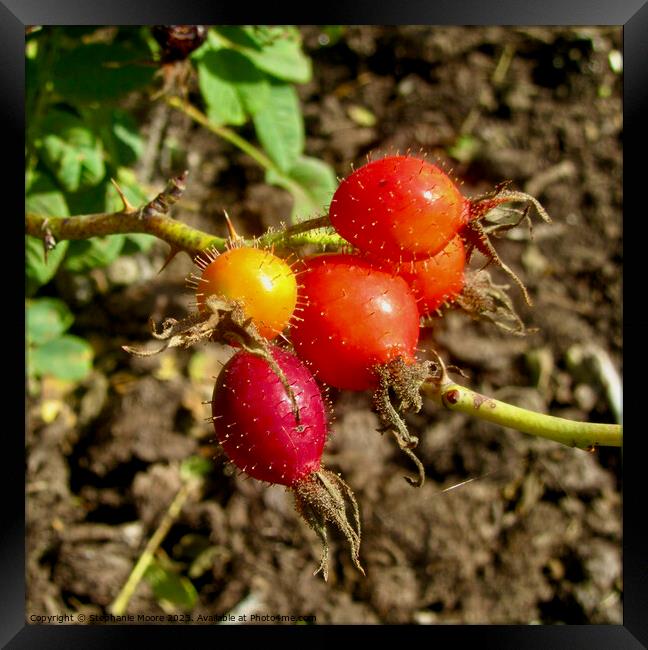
[{"x": 346, "y": 315}]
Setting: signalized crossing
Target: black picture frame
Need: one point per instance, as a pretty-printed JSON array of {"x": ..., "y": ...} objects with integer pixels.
[{"x": 631, "y": 14}]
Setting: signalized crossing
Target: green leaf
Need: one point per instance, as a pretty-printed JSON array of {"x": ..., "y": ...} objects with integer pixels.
[
  {"x": 47, "y": 319},
  {"x": 130, "y": 145},
  {"x": 280, "y": 126},
  {"x": 90, "y": 200},
  {"x": 104, "y": 197},
  {"x": 88, "y": 254},
  {"x": 71, "y": 151},
  {"x": 311, "y": 182},
  {"x": 232, "y": 86},
  {"x": 275, "y": 50},
  {"x": 195, "y": 467},
  {"x": 43, "y": 198},
  {"x": 37, "y": 271},
  {"x": 68, "y": 357},
  {"x": 133, "y": 191},
  {"x": 118, "y": 132},
  {"x": 100, "y": 72},
  {"x": 204, "y": 561},
  {"x": 171, "y": 587},
  {"x": 32, "y": 83},
  {"x": 224, "y": 105},
  {"x": 138, "y": 242},
  {"x": 190, "y": 546}
]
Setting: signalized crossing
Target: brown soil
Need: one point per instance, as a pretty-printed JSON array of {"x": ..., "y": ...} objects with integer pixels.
[{"x": 532, "y": 531}]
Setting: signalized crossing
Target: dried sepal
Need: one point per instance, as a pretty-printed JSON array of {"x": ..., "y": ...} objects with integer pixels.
[
  {"x": 399, "y": 391},
  {"x": 478, "y": 229},
  {"x": 323, "y": 498},
  {"x": 482, "y": 299}
]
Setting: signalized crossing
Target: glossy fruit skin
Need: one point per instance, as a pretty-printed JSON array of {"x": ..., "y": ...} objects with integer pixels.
[
  {"x": 400, "y": 208},
  {"x": 254, "y": 419},
  {"x": 437, "y": 280},
  {"x": 264, "y": 283},
  {"x": 355, "y": 317}
]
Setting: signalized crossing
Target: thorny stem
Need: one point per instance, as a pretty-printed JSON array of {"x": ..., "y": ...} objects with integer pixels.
[
  {"x": 119, "y": 605},
  {"x": 151, "y": 219},
  {"x": 585, "y": 435}
]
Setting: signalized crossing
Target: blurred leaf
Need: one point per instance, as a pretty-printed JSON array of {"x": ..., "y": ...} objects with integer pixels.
[
  {"x": 130, "y": 144},
  {"x": 32, "y": 85},
  {"x": 47, "y": 319},
  {"x": 43, "y": 198},
  {"x": 465, "y": 149},
  {"x": 138, "y": 242},
  {"x": 361, "y": 115},
  {"x": 90, "y": 200},
  {"x": 133, "y": 191},
  {"x": 275, "y": 50},
  {"x": 170, "y": 587},
  {"x": 37, "y": 271},
  {"x": 204, "y": 561},
  {"x": 316, "y": 181},
  {"x": 195, "y": 467},
  {"x": 68, "y": 357},
  {"x": 231, "y": 85},
  {"x": 117, "y": 130},
  {"x": 88, "y": 254},
  {"x": 104, "y": 197},
  {"x": 223, "y": 103},
  {"x": 100, "y": 72},
  {"x": 190, "y": 545},
  {"x": 71, "y": 151},
  {"x": 280, "y": 126}
]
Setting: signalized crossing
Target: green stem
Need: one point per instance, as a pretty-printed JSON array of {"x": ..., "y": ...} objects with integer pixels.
[
  {"x": 585, "y": 435},
  {"x": 235, "y": 139},
  {"x": 119, "y": 605},
  {"x": 177, "y": 234},
  {"x": 223, "y": 132},
  {"x": 152, "y": 219}
]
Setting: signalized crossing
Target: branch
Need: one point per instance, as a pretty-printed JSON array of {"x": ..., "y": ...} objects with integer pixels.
[
  {"x": 119, "y": 605},
  {"x": 585, "y": 435},
  {"x": 152, "y": 219}
]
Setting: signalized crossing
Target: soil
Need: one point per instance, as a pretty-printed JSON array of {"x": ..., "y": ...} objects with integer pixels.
[{"x": 508, "y": 528}]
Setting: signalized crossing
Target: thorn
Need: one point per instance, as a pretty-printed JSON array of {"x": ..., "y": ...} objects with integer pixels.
[
  {"x": 233, "y": 235},
  {"x": 127, "y": 207},
  {"x": 48, "y": 240},
  {"x": 172, "y": 253}
]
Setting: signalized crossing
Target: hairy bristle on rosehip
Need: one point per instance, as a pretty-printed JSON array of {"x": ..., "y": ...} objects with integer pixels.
[
  {"x": 263, "y": 283},
  {"x": 270, "y": 419},
  {"x": 438, "y": 280},
  {"x": 399, "y": 207},
  {"x": 355, "y": 317}
]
